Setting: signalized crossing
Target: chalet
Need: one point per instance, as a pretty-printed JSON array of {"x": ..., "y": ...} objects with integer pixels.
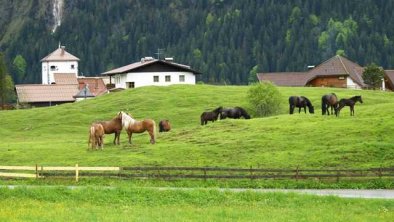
[
  {"x": 337, "y": 71},
  {"x": 151, "y": 72},
  {"x": 60, "y": 82}
]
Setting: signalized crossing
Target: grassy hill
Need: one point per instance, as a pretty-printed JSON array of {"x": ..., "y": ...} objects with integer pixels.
[{"x": 58, "y": 135}]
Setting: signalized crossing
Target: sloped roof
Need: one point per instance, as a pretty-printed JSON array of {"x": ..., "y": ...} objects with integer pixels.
[
  {"x": 84, "y": 92},
  {"x": 29, "y": 93},
  {"x": 390, "y": 75},
  {"x": 65, "y": 78},
  {"x": 96, "y": 85},
  {"x": 284, "y": 78},
  {"x": 60, "y": 54},
  {"x": 336, "y": 65},
  {"x": 144, "y": 63}
]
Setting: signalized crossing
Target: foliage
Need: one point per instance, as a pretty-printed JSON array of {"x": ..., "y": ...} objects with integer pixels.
[
  {"x": 6, "y": 83},
  {"x": 373, "y": 75},
  {"x": 221, "y": 39},
  {"x": 19, "y": 65},
  {"x": 264, "y": 98}
]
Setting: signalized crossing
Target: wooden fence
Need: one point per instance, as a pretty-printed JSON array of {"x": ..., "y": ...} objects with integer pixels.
[{"x": 170, "y": 173}]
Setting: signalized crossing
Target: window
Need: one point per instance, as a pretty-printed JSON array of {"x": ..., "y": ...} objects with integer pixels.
[
  {"x": 155, "y": 78},
  {"x": 72, "y": 67},
  {"x": 182, "y": 78},
  {"x": 130, "y": 85},
  {"x": 168, "y": 78},
  {"x": 53, "y": 68}
]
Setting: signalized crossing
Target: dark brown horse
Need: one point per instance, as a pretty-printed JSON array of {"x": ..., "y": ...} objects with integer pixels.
[
  {"x": 234, "y": 113},
  {"x": 164, "y": 126},
  {"x": 329, "y": 101},
  {"x": 96, "y": 136},
  {"x": 348, "y": 102},
  {"x": 134, "y": 126},
  {"x": 210, "y": 116},
  {"x": 113, "y": 126},
  {"x": 300, "y": 102}
]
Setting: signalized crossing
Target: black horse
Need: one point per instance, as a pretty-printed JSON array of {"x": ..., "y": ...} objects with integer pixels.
[
  {"x": 327, "y": 101},
  {"x": 234, "y": 113},
  {"x": 348, "y": 102},
  {"x": 210, "y": 116},
  {"x": 300, "y": 102}
]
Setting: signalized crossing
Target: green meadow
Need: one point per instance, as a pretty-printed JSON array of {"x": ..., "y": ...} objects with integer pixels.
[
  {"x": 58, "y": 135},
  {"x": 145, "y": 204}
]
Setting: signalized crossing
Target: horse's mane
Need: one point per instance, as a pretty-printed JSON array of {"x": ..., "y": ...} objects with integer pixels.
[
  {"x": 217, "y": 110},
  {"x": 308, "y": 102},
  {"x": 126, "y": 119}
]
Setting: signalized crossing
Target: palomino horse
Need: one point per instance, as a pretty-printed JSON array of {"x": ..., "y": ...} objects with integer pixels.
[
  {"x": 113, "y": 126},
  {"x": 134, "y": 126},
  {"x": 234, "y": 113},
  {"x": 300, "y": 102},
  {"x": 96, "y": 135},
  {"x": 164, "y": 126},
  {"x": 210, "y": 116},
  {"x": 327, "y": 101},
  {"x": 348, "y": 102}
]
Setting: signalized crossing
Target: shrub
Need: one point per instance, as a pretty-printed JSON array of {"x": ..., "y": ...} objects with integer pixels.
[{"x": 264, "y": 99}]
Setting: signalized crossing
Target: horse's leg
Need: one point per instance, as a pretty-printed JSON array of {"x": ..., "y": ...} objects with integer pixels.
[
  {"x": 152, "y": 136},
  {"x": 351, "y": 110},
  {"x": 291, "y": 109},
  {"x": 129, "y": 134}
]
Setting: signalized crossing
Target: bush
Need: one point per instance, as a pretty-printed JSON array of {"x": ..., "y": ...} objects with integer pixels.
[{"x": 264, "y": 99}]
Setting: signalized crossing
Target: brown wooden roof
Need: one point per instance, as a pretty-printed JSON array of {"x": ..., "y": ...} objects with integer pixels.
[
  {"x": 143, "y": 64},
  {"x": 95, "y": 84},
  {"x": 60, "y": 54},
  {"x": 390, "y": 75},
  {"x": 65, "y": 78},
  {"x": 30, "y": 93},
  {"x": 337, "y": 65}
]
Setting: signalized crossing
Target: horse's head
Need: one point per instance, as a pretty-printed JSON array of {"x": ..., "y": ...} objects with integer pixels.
[
  {"x": 311, "y": 109},
  {"x": 359, "y": 99}
]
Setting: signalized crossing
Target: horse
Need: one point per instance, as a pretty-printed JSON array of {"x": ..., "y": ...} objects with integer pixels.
[
  {"x": 164, "y": 126},
  {"x": 96, "y": 135},
  {"x": 300, "y": 102},
  {"x": 234, "y": 113},
  {"x": 113, "y": 126},
  {"x": 210, "y": 116},
  {"x": 134, "y": 126},
  {"x": 327, "y": 101},
  {"x": 348, "y": 102}
]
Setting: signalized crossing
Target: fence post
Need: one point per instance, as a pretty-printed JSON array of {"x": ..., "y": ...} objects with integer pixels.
[
  {"x": 37, "y": 171},
  {"x": 205, "y": 174},
  {"x": 76, "y": 172},
  {"x": 251, "y": 173},
  {"x": 296, "y": 176}
]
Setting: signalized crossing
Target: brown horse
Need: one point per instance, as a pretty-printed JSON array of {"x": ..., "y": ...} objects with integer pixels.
[
  {"x": 348, "y": 102},
  {"x": 134, "y": 126},
  {"x": 327, "y": 101},
  {"x": 113, "y": 126},
  {"x": 164, "y": 126},
  {"x": 96, "y": 135},
  {"x": 210, "y": 116}
]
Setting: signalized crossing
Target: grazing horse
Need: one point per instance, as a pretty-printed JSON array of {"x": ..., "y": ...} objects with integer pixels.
[
  {"x": 134, "y": 126},
  {"x": 348, "y": 102},
  {"x": 210, "y": 116},
  {"x": 327, "y": 101},
  {"x": 234, "y": 113},
  {"x": 300, "y": 102},
  {"x": 113, "y": 126},
  {"x": 164, "y": 126},
  {"x": 96, "y": 135}
]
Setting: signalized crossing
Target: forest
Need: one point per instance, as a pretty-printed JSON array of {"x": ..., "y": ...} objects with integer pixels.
[{"x": 228, "y": 41}]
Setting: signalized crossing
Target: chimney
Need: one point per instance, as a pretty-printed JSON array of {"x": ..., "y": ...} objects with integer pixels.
[{"x": 62, "y": 49}]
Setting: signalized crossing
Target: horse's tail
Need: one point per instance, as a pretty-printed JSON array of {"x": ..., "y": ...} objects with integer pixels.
[
  {"x": 92, "y": 137},
  {"x": 323, "y": 106}
]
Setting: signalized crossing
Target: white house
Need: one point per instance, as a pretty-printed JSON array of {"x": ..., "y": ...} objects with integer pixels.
[
  {"x": 151, "y": 72},
  {"x": 59, "y": 61}
]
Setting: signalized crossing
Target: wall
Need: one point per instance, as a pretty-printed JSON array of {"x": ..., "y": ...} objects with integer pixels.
[
  {"x": 146, "y": 79},
  {"x": 329, "y": 81},
  {"x": 61, "y": 67}
]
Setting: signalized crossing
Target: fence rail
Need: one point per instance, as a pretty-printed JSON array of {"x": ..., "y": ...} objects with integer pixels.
[{"x": 152, "y": 172}]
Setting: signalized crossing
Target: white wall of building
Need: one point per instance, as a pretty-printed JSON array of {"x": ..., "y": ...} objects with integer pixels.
[
  {"x": 51, "y": 67},
  {"x": 147, "y": 79},
  {"x": 351, "y": 84}
]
